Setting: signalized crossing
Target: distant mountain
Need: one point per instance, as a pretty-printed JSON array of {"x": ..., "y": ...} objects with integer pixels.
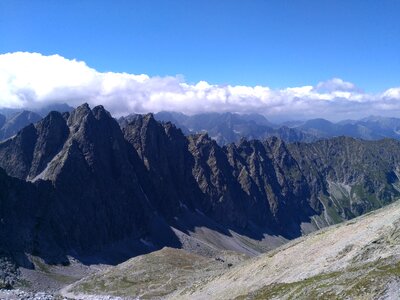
[
  {"x": 320, "y": 127},
  {"x": 16, "y": 122},
  {"x": 371, "y": 128},
  {"x": 292, "y": 123},
  {"x": 227, "y": 128},
  {"x": 42, "y": 111},
  {"x": 9, "y": 112},
  {"x": 16, "y": 119},
  {"x": 60, "y": 107}
]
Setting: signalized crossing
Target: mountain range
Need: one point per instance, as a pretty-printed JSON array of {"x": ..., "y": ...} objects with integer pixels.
[
  {"x": 227, "y": 128},
  {"x": 79, "y": 186}
]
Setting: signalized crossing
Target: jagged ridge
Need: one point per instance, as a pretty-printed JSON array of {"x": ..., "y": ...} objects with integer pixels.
[{"x": 98, "y": 185}]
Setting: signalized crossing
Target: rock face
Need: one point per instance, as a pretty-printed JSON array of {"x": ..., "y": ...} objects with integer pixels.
[
  {"x": 236, "y": 185},
  {"x": 76, "y": 184},
  {"x": 84, "y": 184},
  {"x": 355, "y": 176},
  {"x": 95, "y": 181},
  {"x": 18, "y": 207},
  {"x": 268, "y": 184}
]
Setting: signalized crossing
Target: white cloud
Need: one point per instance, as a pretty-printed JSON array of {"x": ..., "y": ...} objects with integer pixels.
[
  {"x": 393, "y": 93},
  {"x": 33, "y": 80},
  {"x": 336, "y": 84}
]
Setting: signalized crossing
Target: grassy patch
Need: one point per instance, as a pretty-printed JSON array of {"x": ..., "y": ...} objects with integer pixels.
[
  {"x": 40, "y": 265},
  {"x": 366, "y": 281},
  {"x": 294, "y": 290}
]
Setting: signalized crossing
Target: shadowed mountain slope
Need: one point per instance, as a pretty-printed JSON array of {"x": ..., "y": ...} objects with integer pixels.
[
  {"x": 94, "y": 197},
  {"x": 105, "y": 194}
]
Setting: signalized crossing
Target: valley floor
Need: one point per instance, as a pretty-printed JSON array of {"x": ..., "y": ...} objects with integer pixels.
[{"x": 358, "y": 259}]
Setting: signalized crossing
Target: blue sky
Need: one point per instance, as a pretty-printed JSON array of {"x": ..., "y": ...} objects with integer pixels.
[{"x": 272, "y": 43}]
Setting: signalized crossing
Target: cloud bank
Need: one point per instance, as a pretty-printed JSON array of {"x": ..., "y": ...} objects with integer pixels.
[{"x": 32, "y": 80}]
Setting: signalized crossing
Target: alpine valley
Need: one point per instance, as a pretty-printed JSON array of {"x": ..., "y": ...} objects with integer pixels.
[{"x": 92, "y": 207}]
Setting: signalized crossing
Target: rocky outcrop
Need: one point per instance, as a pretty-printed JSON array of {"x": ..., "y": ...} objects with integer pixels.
[
  {"x": 163, "y": 149},
  {"x": 225, "y": 200},
  {"x": 269, "y": 174}
]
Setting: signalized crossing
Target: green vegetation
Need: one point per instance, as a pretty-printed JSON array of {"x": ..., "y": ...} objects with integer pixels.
[
  {"x": 367, "y": 281},
  {"x": 332, "y": 212},
  {"x": 151, "y": 276},
  {"x": 40, "y": 265}
]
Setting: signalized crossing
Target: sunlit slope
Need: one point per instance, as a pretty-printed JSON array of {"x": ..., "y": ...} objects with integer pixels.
[
  {"x": 356, "y": 259},
  {"x": 155, "y": 275}
]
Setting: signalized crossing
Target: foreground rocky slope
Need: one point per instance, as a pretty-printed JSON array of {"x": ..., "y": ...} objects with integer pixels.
[
  {"x": 358, "y": 259},
  {"x": 76, "y": 185}
]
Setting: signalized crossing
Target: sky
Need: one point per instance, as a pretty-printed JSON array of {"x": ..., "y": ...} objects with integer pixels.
[{"x": 284, "y": 59}]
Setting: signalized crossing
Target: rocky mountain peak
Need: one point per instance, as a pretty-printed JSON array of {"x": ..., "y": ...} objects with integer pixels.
[
  {"x": 17, "y": 152},
  {"x": 78, "y": 115},
  {"x": 201, "y": 139},
  {"x": 52, "y": 132},
  {"x": 146, "y": 135},
  {"x": 100, "y": 112}
]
